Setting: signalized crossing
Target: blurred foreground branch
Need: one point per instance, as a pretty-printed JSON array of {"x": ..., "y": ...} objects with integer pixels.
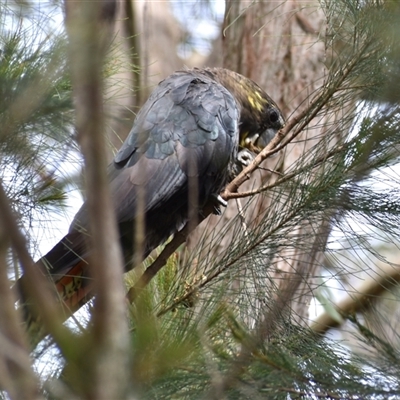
[
  {"x": 89, "y": 26},
  {"x": 16, "y": 374},
  {"x": 360, "y": 299}
]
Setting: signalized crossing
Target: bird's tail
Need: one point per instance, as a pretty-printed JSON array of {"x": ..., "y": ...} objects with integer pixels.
[{"x": 67, "y": 271}]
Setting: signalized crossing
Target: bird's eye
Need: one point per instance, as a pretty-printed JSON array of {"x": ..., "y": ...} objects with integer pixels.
[{"x": 273, "y": 116}]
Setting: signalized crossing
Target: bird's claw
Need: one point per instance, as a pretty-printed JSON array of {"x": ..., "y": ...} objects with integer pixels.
[
  {"x": 245, "y": 157},
  {"x": 217, "y": 201}
]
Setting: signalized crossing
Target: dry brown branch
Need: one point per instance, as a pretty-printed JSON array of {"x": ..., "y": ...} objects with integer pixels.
[
  {"x": 34, "y": 283},
  {"x": 315, "y": 163},
  {"x": 16, "y": 375},
  {"x": 360, "y": 299}
]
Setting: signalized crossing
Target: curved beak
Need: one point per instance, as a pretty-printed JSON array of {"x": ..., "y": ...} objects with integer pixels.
[{"x": 257, "y": 142}]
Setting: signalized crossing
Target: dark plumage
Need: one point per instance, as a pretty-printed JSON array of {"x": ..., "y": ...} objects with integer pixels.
[{"x": 184, "y": 141}]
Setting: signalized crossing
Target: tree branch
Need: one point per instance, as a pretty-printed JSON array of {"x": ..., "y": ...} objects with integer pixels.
[
  {"x": 315, "y": 163},
  {"x": 16, "y": 375},
  {"x": 360, "y": 299},
  {"x": 33, "y": 282},
  {"x": 89, "y": 27}
]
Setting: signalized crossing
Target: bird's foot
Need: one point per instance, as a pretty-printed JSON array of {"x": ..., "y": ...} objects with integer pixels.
[
  {"x": 217, "y": 201},
  {"x": 245, "y": 157}
]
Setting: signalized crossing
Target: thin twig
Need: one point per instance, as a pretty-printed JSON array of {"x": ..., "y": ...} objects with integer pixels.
[
  {"x": 315, "y": 163},
  {"x": 242, "y": 217}
]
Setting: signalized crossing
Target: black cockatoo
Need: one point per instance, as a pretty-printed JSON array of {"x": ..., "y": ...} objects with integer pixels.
[{"x": 188, "y": 138}]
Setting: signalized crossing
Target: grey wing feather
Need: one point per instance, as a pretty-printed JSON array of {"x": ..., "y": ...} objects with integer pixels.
[{"x": 188, "y": 127}]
